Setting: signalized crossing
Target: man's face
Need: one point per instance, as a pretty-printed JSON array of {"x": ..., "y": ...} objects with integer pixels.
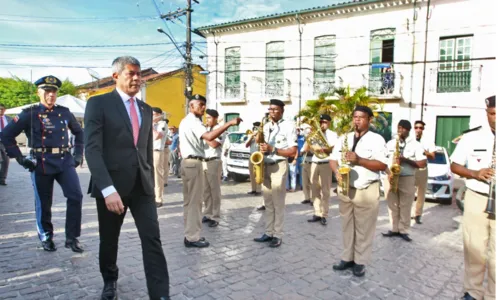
[
  {"x": 275, "y": 112},
  {"x": 47, "y": 97},
  {"x": 360, "y": 120},
  {"x": 324, "y": 124},
  {"x": 419, "y": 129},
  {"x": 492, "y": 114},
  {"x": 2, "y": 110},
  {"x": 211, "y": 121},
  {"x": 197, "y": 107},
  {"x": 129, "y": 80},
  {"x": 403, "y": 132}
]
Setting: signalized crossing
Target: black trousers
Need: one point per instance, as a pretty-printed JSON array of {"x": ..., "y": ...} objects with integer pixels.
[{"x": 143, "y": 209}]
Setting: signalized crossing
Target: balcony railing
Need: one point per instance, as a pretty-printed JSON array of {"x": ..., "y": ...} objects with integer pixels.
[
  {"x": 454, "y": 82},
  {"x": 382, "y": 82}
]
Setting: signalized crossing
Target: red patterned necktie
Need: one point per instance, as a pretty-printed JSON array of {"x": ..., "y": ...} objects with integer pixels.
[{"x": 135, "y": 121}]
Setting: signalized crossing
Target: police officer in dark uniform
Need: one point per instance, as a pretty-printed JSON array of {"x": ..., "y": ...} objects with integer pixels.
[{"x": 46, "y": 125}]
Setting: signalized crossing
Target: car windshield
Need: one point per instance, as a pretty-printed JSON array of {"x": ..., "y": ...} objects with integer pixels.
[
  {"x": 440, "y": 159},
  {"x": 237, "y": 138}
]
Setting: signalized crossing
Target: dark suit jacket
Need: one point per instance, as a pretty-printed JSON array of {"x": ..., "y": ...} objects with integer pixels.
[{"x": 111, "y": 155}]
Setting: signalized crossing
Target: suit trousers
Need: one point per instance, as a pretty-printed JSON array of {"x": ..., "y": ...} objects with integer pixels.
[
  {"x": 359, "y": 214},
  {"x": 479, "y": 234},
  {"x": 255, "y": 187},
  {"x": 306, "y": 180},
  {"x": 4, "y": 163},
  {"x": 212, "y": 194},
  {"x": 158, "y": 160},
  {"x": 400, "y": 203},
  {"x": 193, "y": 185},
  {"x": 421, "y": 176},
  {"x": 321, "y": 178},
  {"x": 166, "y": 157},
  {"x": 145, "y": 215},
  {"x": 274, "y": 189}
]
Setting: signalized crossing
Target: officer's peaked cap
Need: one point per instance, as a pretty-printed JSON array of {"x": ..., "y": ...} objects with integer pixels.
[{"x": 48, "y": 82}]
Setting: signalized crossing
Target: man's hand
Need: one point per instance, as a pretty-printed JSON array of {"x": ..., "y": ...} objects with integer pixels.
[
  {"x": 484, "y": 174},
  {"x": 339, "y": 178},
  {"x": 114, "y": 203},
  {"x": 235, "y": 121},
  {"x": 78, "y": 160},
  {"x": 265, "y": 148},
  {"x": 352, "y": 157},
  {"x": 26, "y": 163}
]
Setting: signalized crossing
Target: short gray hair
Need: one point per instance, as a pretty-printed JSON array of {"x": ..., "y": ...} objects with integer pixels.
[{"x": 120, "y": 62}]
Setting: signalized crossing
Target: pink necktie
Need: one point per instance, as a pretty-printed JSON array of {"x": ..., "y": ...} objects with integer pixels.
[
  {"x": 1, "y": 123},
  {"x": 135, "y": 121}
]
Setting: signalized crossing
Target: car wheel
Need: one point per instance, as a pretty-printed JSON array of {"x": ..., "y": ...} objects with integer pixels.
[
  {"x": 446, "y": 201},
  {"x": 240, "y": 177}
]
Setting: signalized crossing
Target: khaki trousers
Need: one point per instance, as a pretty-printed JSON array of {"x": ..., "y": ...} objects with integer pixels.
[
  {"x": 165, "y": 164},
  {"x": 400, "y": 203},
  {"x": 421, "y": 177},
  {"x": 158, "y": 158},
  {"x": 212, "y": 193},
  {"x": 321, "y": 178},
  {"x": 255, "y": 187},
  {"x": 479, "y": 247},
  {"x": 192, "y": 172},
  {"x": 359, "y": 214},
  {"x": 306, "y": 180},
  {"x": 274, "y": 190}
]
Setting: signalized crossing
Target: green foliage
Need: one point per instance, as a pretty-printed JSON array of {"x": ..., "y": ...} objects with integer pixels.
[{"x": 67, "y": 88}]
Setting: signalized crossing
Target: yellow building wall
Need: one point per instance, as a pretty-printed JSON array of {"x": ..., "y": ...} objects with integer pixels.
[{"x": 101, "y": 91}]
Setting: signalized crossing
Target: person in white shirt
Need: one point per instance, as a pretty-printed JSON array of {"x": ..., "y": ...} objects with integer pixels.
[
  {"x": 422, "y": 174},
  {"x": 400, "y": 202},
  {"x": 321, "y": 174},
  {"x": 475, "y": 159},
  {"x": 366, "y": 155},
  {"x": 166, "y": 153},
  {"x": 159, "y": 137},
  {"x": 192, "y": 134}
]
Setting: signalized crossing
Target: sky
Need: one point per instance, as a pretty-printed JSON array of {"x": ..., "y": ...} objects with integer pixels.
[{"x": 38, "y": 38}]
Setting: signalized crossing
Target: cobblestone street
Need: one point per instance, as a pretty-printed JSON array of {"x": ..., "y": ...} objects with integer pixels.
[{"x": 234, "y": 266}]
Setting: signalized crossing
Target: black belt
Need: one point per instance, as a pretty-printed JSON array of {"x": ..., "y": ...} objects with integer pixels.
[
  {"x": 211, "y": 158},
  {"x": 309, "y": 155},
  {"x": 482, "y": 194},
  {"x": 274, "y": 162},
  {"x": 196, "y": 157},
  {"x": 51, "y": 150},
  {"x": 308, "y": 162},
  {"x": 320, "y": 162}
]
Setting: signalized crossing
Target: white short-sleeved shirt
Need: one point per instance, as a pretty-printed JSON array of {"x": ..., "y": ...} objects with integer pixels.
[
  {"x": 282, "y": 135},
  {"x": 213, "y": 152},
  {"x": 160, "y": 126},
  {"x": 428, "y": 146},
  {"x": 475, "y": 152},
  {"x": 370, "y": 146},
  {"x": 190, "y": 131},
  {"x": 411, "y": 149},
  {"x": 254, "y": 147},
  {"x": 331, "y": 138}
]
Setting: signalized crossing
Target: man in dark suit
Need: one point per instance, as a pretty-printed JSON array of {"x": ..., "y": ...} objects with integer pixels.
[
  {"x": 119, "y": 152},
  {"x": 4, "y": 159}
]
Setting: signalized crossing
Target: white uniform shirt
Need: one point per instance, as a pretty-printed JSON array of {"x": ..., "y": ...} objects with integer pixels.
[
  {"x": 254, "y": 147},
  {"x": 282, "y": 135},
  {"x": 331, "y": 138},
  {"x": 428, "y": 146},
  {"x": 190, "y": 131},
  {"x": 370, "y": 146},
  {"x": 475, "y": 152},
  {"x": 213, "y": 152},
  {"x": 411, "y": 149},
  {"x": 159, "y": 144}
]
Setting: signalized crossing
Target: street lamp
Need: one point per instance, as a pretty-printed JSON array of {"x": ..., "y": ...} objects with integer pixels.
[{"x": 160, "y": 30}]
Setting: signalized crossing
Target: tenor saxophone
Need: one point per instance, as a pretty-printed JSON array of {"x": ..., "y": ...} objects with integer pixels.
[
  {"x": 490, "y": 205},
  {"x": 344, "y": 169},
  {"x": 395, "y": 168},
  {"x": 257, "y": 158}
]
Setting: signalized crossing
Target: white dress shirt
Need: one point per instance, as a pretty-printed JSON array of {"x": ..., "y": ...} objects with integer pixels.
[
  {"x": 190, "y": 131},
  {"x": 282, "y": 135},
  {"x": 411, "y": 149},
  {"x": 159, "y": 144}
]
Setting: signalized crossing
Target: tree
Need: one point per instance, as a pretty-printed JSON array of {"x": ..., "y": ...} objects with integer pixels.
[{"x": 67, "y": 88}]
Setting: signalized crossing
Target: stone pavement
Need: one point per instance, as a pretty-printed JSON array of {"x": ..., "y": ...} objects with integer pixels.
[{"x": 234, "y": 266}]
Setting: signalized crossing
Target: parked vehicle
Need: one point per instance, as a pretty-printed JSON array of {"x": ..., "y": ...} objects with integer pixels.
[
  {"x": 440, "y": 182},
  {"x": 238, "y": 156}
]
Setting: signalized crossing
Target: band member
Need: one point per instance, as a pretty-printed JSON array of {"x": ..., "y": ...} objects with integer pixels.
[
  {"x": 46, "y": 125},
  {"x": 281, "y": 143},
  {"x": 256, "y": 188},
  {"x": 421, "y": 175},
  {"x": 166, "y": 154},
  {"x": 159, "y": 138},
  {"x": 411, "y": 158},
  {"x": 213, "y": 173},
  {"x": 192, "y": 134},
  {"x": 321, "y": 174},
  {"x": 359, "y": 209},
  {"x": 473, "y": 159},
  {"x": 306, "y": 169}
]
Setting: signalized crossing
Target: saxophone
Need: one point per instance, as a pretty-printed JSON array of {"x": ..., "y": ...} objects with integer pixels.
[
  {"x": 490, "y": 205},
  {"x": 344, "y": 169},
  {"x": 316, "y": 139},
  {"x": 395, "y": 168},
  {"x": 257, "y": 158}
]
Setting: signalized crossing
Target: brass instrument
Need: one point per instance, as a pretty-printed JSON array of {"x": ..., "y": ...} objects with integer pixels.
[
  {"x": 344, "y": 169},
  {"x": 490, "y": 205},
  {"x": 316, "y": 139},
  {"x": 395, "y": 168},
  {"x": 257, "y": 158}
]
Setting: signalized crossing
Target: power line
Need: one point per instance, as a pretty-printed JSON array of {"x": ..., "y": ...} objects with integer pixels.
[{"x": 83, "y": 46}]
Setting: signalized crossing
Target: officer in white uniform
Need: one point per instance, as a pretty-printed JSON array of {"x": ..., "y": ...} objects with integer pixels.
[
  {"x": 421, "y": 174},
  {"x": 281, "y": 143},
  {"x": 411, "y": 158},
  {"x": 192, "y": 132},
  {"x": 159, "y": 137},
  {"x": 474, "y": 159}
]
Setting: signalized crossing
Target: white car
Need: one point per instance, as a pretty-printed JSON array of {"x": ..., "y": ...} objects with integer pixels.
[
  {"x": 440, "y": 181},
  {"x": 238, "y": 157}
]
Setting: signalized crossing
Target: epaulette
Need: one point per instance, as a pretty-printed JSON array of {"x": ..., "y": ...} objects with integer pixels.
[{"x": 472, "y": 129}]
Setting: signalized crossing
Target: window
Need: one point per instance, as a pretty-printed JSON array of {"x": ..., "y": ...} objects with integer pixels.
[
  {"x": 382, "y": 59},
  {"x": 228, "y": 117},
  {"x": 232, "y": 72},
  {"x": 324, "y": 64},
  {"x": 275, "y": 63},
  {"x": 454, "y": 73}
]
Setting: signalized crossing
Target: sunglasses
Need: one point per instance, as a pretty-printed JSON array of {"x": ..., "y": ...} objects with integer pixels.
[{"x": 418, "y": 127}]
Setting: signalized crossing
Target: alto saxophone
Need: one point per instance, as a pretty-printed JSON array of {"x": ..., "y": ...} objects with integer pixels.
[
  {"x": 257, "y": 158},
  {"x": 490, "y": 205},
  {"x": 395, "y": 168},
  {"x": 344, "y": 169}
]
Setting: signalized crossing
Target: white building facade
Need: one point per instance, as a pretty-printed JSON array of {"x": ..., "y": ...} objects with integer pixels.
[{"x": 432, "y": 61}]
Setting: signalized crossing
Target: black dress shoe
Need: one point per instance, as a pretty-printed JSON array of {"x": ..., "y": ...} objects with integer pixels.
[
  {"x": 314, "y": 219},
  {"x": 323, "y": 221},
  {"x": 264, "y": 238},
  {"x": 3, "y": 183},
  {"x": 166, "y": 184},
  {"x": 467, "y": 296},
  {"x": 275, "y": 242},
  {"x": 205, "y": 219},
  {"x": 201, "y": 243},
  {"x": 390, "y": 234},
  {"x": 405, "y": 237},
  {"x": 306, "y": 201},
  {"x": 258, "y": 193},
  {"x": 343, "y": 265},
  {"x": 418, "y": 219},
  {"x": 213, "y": 223},
  {"x": 74, "y": 244},
  {"x": 252, "y": 193},
  {"x": 358, "y": 270},
  {"x": 159, "y": 204},
  {"x": 109, "y": 291},
  {"x": 49, "y": 245},
  {"x": 261, "y": 207}
]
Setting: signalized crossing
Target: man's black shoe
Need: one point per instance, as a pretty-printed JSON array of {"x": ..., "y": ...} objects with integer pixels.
[
  {"x": 3, "y": 183},
  {"x": 323, "y": 221},
  {"x": 109, "y": 291},
  {"x": 405, "y": 237},
  {"x": 264, "y": 238},
  {"x": 201, "y": 243},
  {"x": 166, "y": 184},
  {"x": 205, "y": 219},
  {"x": 213, "y": 223},
  {"x": 252, "y": 193},
  {"x": 390, "y": 234},
  {"x": 275, "y": 242},
  {"x": 314, "y": 219},
  {"x": 74, "y": 244},
  {"x": 467, "y": 296},
  {"x": 306, "y": 201},
  {"x": 258, "y": 193},
  {"x": 49, "y": 245},
  {"x": 418, "y": 219},
  {"x": 261, "y": 207},
  {"x": 358, "y": 270},
  {"x": 159, "y": 204},
  {"x": 343, "y": 265}
]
